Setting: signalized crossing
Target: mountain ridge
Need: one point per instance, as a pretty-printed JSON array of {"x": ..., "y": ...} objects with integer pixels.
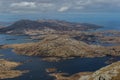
[{"x": 22, "y": 25}]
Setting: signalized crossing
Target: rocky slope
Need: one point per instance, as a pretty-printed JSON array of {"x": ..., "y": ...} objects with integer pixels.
[
  {"x": 53, "y": 45},
  {"x": 63, "y": 46},
  {"x": 22, "y": 26}
]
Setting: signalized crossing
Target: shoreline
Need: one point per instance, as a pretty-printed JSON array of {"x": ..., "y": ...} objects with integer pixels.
[{"x": 7, "y": 69}]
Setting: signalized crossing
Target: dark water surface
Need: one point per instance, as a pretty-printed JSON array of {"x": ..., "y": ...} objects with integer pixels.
[{"x": 37, "y": 66}]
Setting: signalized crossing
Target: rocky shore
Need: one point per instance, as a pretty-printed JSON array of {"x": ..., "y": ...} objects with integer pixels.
[
  {"x": 7, "y": 69},
  {"x": 66, "y": 76},
  {"x": 110, "y": 72}
]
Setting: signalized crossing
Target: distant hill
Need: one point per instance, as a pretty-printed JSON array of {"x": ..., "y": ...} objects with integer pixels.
[
  {"x": 1, "y": 27},
  {"x": 5, "y": 23},
  {"x": 20, "y": 26}
]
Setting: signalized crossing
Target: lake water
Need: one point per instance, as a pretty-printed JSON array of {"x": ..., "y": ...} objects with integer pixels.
[{"x": 37, "y": 66}]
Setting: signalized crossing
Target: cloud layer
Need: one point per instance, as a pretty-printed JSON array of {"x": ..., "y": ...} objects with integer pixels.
[{"x": 58, "y": 6}]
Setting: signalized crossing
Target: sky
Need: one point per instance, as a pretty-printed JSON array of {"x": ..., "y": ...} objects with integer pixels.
[
  {"x": 32, "y": 7},
  {"x": 58, "y": 6}
]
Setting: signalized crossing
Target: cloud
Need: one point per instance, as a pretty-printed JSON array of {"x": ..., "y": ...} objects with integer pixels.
[
  {"x": 31, "y": 7},
  {"x": 24, "y": 5},
  {"x": 44, "y": 5},
  {"x": 64, "y": 8},
  {"x": 84, "y": 2}
]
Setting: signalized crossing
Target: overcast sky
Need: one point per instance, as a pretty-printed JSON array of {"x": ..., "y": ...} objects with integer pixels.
[{"x": 58, "y": 6}]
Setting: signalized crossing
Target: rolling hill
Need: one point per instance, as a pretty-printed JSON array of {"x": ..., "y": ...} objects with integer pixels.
[{"x": 19, "y": 27}]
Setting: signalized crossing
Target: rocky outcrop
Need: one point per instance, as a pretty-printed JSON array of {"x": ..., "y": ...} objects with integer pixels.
[
  {"x": 114, "y": 50},
  {"x": 66, "y": 76},
  {"x": 110, "y": 37},
  {"x": 110, "y": 72}
]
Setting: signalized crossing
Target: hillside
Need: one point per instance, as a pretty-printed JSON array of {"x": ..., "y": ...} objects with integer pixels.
[
  {"x": 52, "y": 46},
  {"x": 59, "y": 46},
  {"x": 20, "y": 27},
  {"x": 110, "y": 72},
  {"x": 5, "y": 23}
]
